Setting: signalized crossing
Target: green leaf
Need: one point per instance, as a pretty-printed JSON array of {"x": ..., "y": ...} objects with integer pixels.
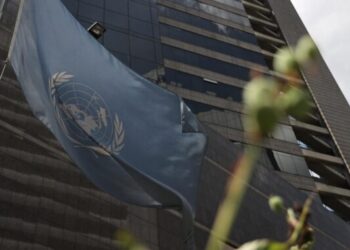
[
  {"x": 307, "y": 246},
  {"x": 260, "y": 105},
  {"x": 305, "y": 50},
  {"x": 285, "y": 61},
  {"x": 295, "y": 102},
  {"x": 276, "y": 204},
  {"x": 263, "y": 245}
]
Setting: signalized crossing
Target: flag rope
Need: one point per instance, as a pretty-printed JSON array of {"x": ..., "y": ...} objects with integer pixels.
[
  {"x": 19, "y": 15},
  {"x": 2, "y": 7},
  {"x": 4, "y": 66}
]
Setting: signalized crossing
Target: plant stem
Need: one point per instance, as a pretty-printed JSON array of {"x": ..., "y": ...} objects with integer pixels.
[
  {"x": 298, "y": 231},
  {"x": 236, "y": 190}
]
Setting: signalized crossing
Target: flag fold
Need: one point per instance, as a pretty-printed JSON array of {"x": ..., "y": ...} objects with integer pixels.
[{"x": 133, "y": 139}]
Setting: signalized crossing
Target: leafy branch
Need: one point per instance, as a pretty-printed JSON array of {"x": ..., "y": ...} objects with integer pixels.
[{"x": 267, "y": 100}]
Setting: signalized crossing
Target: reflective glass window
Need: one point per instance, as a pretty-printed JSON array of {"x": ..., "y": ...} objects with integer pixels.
[
  {"x": 291, "y": 163},
  {"x": 198, "y": 107},
  {"x": 91, "y": 12},
  {"x": 116, "y": 41},
  {"x": 214, "y": 11},
  {"x": 98, "y": 3},
  {"x": 141, "y": 27},
  {"x": 139, "y": 11},
  {"x": 224, "y": 14},
  {"x": 206, "y": 63},
  {"x": 124, "y": 58},
  {"x": 120, "y": 6},
  {"x": 284, "y": 133},
  {"x": 233, "y": 119},
  {"x": 85, "y": 22},
  {"x": 211, "y": 44},
  {"x": 142, "y": 48},
  {"x": 199, "y": 84},
  {"x": 154, "y": 15},
  {"x": 142, "y": 1},
  {"x": 142, "y": 66},
  {"x": 114, "y": 19},
  {"x": 234, "y": 3},
  {"x": 72, "y": 6},
  {"x": 208, "y": 25}
]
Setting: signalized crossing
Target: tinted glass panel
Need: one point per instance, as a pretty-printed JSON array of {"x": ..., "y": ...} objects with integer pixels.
[
  {"x": 291, "y": 163},
  {"x": 142, "y": 48},
  {"x": 116, "y": 41},
  {"x": 224, "y": 14},
  {"x": 98, "y": 3},
  {"x": 234, "y": 3},
  {"x": 120, "y": 6},
  {"x": 142, "y": 66},
  {"x": 205, "y": 63},
  {"x": 211, "y": 44},
  {"x": 208, "y": 25},
  {"x": 197, "y": 107},
  {"x": 139, "y": 11},
  {"x": 91, "y": 12},
  {"x": 201, "y": 85},
  {"x": 141, "y": 27},
  {"x": 124, "y": 58},
  {"x": 116, "y": 20},
  {"x": 72, "y": 6}
]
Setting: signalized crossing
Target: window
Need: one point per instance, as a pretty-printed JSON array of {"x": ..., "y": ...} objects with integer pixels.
[
  {"x": 139, "y": 11},
  {"x": 72, "y": 6},
  {"x": 142, "y": 48},
  {"x": 141, "y": 27},
  {"x": 98, "y": 3},
  {"x": 205, "y": 63},
  {"x": 207, "y": 24},
  {"x": 142, "y": 66},
  {"x": 114, "y": 19},
  {"x": 91, "y": 12},
  {"x": 234, "y": 3},
  {"x": 120, "y": 6},
  {"x": 202, "y": 85},
  {"x": 211, "y": 44},
  {"x": 117, "y": 41},
  {"x": 197, "y": 107}
]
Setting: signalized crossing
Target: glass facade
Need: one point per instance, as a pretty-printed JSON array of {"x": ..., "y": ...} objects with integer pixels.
[
  {"x": 133, "y": 34},
  {"x": 216, "y": 38}
]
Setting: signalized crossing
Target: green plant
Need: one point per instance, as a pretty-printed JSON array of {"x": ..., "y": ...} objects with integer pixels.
[
  {"x": 267, "y": 100},
  {"x": 126, "y": 241}
]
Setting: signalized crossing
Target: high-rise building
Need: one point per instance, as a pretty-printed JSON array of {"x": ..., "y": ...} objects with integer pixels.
[{"x": 205, "y": 51}]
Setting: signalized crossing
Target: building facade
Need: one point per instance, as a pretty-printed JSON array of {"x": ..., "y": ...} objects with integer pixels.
[{"x": 205, "y": 51}]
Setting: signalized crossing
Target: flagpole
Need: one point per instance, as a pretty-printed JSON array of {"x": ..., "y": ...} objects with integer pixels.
[
  {"x": 3, "y": 69},
  {"x": 14, "y": 34},
  {"x": 2, "y": 6},
  {"x": 19, "y": 14}
]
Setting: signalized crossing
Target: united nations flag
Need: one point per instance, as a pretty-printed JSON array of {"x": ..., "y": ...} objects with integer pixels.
[{"x": 132, "y": 138}]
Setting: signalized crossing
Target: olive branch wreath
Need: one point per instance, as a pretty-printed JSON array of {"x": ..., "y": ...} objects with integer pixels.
[{"x": 117, "y": 143}]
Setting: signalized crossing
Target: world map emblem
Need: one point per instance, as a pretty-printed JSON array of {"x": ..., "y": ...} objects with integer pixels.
[{"x": 84, "y": 117}]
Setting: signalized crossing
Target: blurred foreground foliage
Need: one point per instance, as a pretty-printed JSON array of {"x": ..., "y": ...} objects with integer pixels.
[
  {"x": 267, "y": 100},
  {"x": 126, "y": 241}
]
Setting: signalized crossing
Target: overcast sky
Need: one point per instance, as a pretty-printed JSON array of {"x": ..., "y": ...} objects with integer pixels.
[{"x": 328, "y": 22}]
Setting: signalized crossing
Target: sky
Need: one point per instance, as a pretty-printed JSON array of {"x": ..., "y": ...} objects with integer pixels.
[{"x": 328, "y": 22}]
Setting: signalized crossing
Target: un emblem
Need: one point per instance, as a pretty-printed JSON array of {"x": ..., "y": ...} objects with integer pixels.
[{"x": 84, "y": 117}]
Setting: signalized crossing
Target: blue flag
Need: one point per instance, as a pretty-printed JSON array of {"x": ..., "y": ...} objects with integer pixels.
[{"x": 133, "y": 139}]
